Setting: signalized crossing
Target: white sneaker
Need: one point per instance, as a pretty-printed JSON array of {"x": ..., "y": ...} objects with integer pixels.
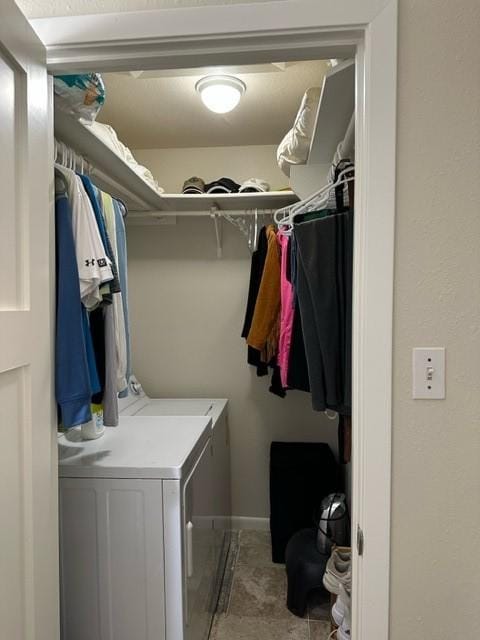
[
  {"x": 343, "y": 631},
  {"x": 337, "y": 572},
  {"x": 342, "y": 634},
  {"x": 338, "y": 613},
  {"x": 338, "y": 634},
  {"x": 341, "y": 607},
  {"x": 343, "y": 553}
]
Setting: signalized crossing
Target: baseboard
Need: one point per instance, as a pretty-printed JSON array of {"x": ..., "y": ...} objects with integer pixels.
[
  {"x": 244, "y": 522},
  {"x": 222, "y": 522}
]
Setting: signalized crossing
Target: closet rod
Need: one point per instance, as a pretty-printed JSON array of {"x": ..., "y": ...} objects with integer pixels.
[
  {"x": 246, "y": 221},
  {"x": 207, "y": 213}
]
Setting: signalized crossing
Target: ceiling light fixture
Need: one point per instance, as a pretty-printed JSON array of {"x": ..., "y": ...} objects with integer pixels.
[{"x": 220, "y": 94}]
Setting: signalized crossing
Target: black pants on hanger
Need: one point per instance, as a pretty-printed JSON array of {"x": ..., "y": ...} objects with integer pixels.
[{"x": 324, "y": 288}]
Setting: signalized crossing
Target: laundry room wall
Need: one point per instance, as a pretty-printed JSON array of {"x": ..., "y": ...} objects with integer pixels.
[{"x": 187, "y": 311}]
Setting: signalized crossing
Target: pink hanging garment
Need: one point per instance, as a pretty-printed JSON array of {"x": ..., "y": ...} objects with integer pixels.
[{"x": 287, "y": 311}]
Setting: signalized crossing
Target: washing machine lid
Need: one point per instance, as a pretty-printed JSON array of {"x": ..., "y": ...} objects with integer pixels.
[
  {"x": 174, "y": 407},
  {"x": 137, "y": 403},
  {"x": 140, "y": 447},
  {"x": 135, "y": 396}
]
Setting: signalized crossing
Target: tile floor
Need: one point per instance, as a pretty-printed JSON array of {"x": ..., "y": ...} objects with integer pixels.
[{"x": 256, "y": 608}]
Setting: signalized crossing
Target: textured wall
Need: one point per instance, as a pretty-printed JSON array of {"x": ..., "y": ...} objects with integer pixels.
[
  {"x": 436, "y": 445},
  {"x": 187, "y": 310},
  {"x": 172, "y": 166}
]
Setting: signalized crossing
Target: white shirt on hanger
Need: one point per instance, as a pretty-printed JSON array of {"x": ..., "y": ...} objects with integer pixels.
[
  {"x": 94, "y": 266},
  {"x": 119, "y": 318}
]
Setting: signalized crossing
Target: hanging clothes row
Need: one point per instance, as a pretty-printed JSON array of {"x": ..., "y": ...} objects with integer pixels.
[
  {"x": 92, "y": 358},
  {"x": 298, "y": 319}
]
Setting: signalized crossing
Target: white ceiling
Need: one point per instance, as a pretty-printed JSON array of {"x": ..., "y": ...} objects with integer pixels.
[
  {"x": 166, "y": 111},
  {"x": 49, "y": 8}
]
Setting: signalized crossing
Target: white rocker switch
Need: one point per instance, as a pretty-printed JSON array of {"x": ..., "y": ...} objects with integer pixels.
[{"x": 429, "y": 373}]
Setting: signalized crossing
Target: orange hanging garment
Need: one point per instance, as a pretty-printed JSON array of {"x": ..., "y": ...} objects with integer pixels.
[{"x": 264, "y": 331}]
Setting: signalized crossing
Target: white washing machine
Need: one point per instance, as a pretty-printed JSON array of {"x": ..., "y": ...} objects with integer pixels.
[
  {"x": 136, "y": 531},
  {"x": 137, "y": 403}
]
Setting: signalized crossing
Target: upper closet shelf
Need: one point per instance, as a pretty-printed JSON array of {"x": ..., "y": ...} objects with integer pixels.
[
  {"x": 107, "y": 169},
  {"x": 112, "y": 174},
  {"x": 334, "y": 124},
  {"x": 206, "y": 202},
  {"x": 337, "y": 103}
]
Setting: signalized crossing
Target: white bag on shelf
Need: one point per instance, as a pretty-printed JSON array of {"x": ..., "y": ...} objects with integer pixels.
[
  {"x": 82, "y": 95},
  {"x": 295, "y": 146}
]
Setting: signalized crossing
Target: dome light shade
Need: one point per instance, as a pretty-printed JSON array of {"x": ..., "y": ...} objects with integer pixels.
[{"x": 220, "y": 94}]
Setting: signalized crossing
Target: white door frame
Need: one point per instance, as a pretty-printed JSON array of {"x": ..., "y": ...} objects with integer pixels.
[
  {"x": 28, "y": 457},
  {"x": 292, "y": 30}
]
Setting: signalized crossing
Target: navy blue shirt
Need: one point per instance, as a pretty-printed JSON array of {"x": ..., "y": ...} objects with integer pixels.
[{"x": 72, "y": 379}]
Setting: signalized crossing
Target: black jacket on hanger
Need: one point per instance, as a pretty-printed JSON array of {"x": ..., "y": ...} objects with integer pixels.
[
  {"x": 254, "y": 355},
  {"x": 256, "y": 270}
]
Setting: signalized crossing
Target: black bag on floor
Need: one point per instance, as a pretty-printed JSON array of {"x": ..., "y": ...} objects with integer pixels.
[{"x": 301, "y": 474}]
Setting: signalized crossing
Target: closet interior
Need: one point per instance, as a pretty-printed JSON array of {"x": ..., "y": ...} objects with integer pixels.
[{"x": 204, "y": 242}]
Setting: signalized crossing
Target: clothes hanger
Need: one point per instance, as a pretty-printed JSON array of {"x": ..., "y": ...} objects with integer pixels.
[
  {"x": 315, "y": 201},
  {"x": 282, "y": 216},
  {"x": 255, "y": 231},
  {"x": 321, "y": 201},
  {"x": 252, "y": 231},
  {"x": 301, "y": 207},
  {"x": 321, "y": 198},
  {"x": 123, "y": 207}
]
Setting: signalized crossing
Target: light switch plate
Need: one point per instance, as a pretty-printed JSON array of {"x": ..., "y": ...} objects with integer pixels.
[{"x": 429, "y": 373}]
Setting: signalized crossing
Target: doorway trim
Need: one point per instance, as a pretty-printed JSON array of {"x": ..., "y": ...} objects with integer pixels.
[{"x": 293, "y": 30}]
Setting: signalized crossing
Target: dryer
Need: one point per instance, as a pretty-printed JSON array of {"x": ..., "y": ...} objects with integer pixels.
[
  {"x": 136, "y": 537},
  {"x": 138, "y": 403}
]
